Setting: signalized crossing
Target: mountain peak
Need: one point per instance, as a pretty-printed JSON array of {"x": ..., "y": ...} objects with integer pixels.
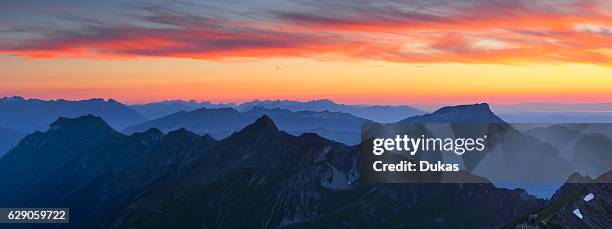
[
  {"x": 112, "y": 101},
  {"x": 12, "y": 99},
  {"x": 576, "y": 177},
  {"x": 262, "y": 124},
  {"x": 82, "y": 122},
  {"x": 150, "y": 133},
  {"x": 181, "y": 136},
  {"x": 89, "y": 127},
  {"x": 207, "y": 138},
  {"x": 324, "y": 101},
  {"x": 149, "y": 137},
  {"x": 471, "y": 113},
  {"x": 480, "y": 107}
]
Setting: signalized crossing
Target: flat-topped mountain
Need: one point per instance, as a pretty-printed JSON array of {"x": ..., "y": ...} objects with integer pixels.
[{"x": 475, "y": 113}]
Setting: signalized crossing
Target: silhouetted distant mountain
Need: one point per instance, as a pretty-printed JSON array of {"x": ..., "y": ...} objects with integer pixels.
[
  {"x": 218, "y": 122},
  {"x": 257, "y": 176},
  {"x": 376, "y": 113},
  {"x": 28, "y": 115},
  {"x": 8, "y": 139},
  {"x": 157, "y": 110},
  {"x": 222, "y": 122},
  {"x": 160, "y": 109},
  {"x": 476, "y": 113},
  {"x": 195, "y": 104}
]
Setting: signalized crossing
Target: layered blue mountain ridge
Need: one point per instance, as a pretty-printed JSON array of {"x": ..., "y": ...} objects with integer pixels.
[
  {"x": 377, "y": 113},
  {"x": 222, "y": 122},
  {"x": 259, "y": 173},
  {"x": 29, "y": 115},
  {"x": 342, "y": 127}
]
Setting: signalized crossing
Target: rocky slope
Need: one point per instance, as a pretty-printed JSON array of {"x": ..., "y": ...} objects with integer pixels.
[{"x": 580, "y": 203}]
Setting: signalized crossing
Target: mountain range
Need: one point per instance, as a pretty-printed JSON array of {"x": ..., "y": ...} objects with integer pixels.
[
  {"x": 376, "y": 113},
  {"x": 167, "y": 107},
  {"x": 19, "y": 115},
  {"x": 259, "y": 175},
  {"x": 29, "y": 115},
  {"x": 341, "y": 127},
  {"x": 221, "y": 122}
]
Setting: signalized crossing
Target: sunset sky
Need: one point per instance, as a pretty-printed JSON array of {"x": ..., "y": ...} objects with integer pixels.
[{"x": 377, "y": 52}]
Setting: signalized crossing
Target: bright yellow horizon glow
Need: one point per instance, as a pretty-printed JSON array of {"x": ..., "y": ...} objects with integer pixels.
[{"x": 346, "y": 81}]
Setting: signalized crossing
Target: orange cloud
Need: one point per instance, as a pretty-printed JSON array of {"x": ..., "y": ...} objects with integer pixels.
[{"x": 505, "y": 32}]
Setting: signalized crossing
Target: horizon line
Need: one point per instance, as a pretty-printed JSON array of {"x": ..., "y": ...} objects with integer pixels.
[{"x": 238, "y": 103}]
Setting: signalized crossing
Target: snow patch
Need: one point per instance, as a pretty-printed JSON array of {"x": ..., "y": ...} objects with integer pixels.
[
  {"x": 577, "y": 213},
  {"x": 589, "y": 197}
]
